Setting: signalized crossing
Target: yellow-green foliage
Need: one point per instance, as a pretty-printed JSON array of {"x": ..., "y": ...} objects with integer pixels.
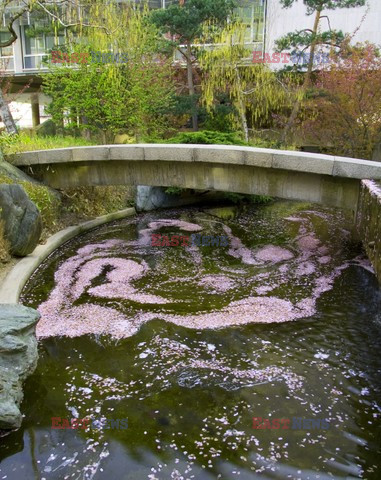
[
  {"x": 253, "y": 88},
  {"x": 24, "y": 142},
  {"x": 46, "y": 202}
]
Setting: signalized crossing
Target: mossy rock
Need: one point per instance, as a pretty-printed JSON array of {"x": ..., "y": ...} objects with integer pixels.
[{"x": 46, "y": 129}]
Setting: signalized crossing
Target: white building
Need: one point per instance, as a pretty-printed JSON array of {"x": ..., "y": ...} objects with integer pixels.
[{"x": 363, "y": 22}]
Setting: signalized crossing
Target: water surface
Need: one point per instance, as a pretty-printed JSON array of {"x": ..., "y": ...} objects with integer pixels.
[{"x": 190, "y": 343}]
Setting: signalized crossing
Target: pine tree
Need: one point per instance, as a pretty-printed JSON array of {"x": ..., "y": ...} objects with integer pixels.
[{"x": 185, "y": 22}]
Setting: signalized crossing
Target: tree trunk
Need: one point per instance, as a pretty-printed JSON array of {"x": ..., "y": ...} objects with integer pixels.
[
  {"x": 307, "y": 80},
  {"x": 6, "y": 115},
  {"x": 35, "y": 110},
  {"x": 191, "y": 86}
]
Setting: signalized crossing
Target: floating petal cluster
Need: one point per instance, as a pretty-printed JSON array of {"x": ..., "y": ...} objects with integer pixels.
[{"x": 112, "y": 287}]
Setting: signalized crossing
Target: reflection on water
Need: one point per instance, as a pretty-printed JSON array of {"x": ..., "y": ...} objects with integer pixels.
[{"x": 190, "y": 343}]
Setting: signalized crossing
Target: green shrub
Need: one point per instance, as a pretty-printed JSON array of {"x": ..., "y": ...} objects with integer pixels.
[
  {"x": 174, "y": 190},
  {"x": 206, "y": 137},
  {"x": 46, "y": 129}
]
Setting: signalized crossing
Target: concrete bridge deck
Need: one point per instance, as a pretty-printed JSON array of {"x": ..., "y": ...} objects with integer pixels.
[{"x": 325, "y": 179}]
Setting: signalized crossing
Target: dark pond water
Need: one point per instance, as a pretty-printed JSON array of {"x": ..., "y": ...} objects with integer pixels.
[{"x": 181, "y": 347}]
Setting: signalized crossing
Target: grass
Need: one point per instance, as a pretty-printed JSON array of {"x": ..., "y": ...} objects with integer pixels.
[{"x": 24, "y": 142}]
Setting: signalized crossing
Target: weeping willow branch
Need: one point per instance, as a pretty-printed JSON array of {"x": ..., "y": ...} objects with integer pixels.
[{"x": 253, "y": 89}]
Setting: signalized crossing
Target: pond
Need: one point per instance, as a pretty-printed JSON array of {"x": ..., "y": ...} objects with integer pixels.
[{"x": 255, "y": 357}]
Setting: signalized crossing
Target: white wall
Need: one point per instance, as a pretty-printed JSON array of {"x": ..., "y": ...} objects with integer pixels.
[
  {"x": 22, "y": 111},
  {"x": 283, "y": 20}
]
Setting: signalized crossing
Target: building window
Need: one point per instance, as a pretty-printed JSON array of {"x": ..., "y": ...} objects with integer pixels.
[
  {"x": 252, "y": 12},
  {"x": 6, "y": 53},
  {"x": 37, "y": 46}
]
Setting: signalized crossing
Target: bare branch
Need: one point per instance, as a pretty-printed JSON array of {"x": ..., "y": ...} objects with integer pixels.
[
  {"x": 77, "y": 24},
  {"x": 11, "y": 30}
]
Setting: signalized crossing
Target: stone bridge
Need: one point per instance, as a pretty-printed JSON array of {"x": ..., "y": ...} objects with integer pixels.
[{"x": 333, "y": 181}]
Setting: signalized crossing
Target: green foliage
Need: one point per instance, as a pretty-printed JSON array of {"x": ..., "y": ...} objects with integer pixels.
[
  {"x": 295, "y": 41},
  {"x": 238, "y": 198},
  {"x": 184, "y": 104},
  {"x": 174, "y": 190},
  {"x": 46, "y": 129},
  {"x": 7, "y": 140},
  {"x": 264, "y": 143},
  {"x": 4, "y": 245},
  {"x": 114, "y": 97},
  {"x": 206, "y": 137},
  {"x": 219, "y": 116},
  {"x": 24, "y": 142},
  {"x": 253, "y": 88},
  {"x": 46, "y": 202},
  {"x": 185, "y": 22}
]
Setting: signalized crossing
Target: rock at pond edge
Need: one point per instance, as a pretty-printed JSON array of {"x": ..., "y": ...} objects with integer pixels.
[
  {"x": 18, "y": 359},
  {"x": 22, "y": 219}
]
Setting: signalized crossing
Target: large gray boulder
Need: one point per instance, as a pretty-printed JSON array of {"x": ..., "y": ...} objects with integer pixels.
[
  {"x": 22, "y": 219},
  {"x": 18, "y": 359}
]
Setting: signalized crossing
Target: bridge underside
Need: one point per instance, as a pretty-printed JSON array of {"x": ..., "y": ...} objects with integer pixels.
[{"x": 319, "y": 188}]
